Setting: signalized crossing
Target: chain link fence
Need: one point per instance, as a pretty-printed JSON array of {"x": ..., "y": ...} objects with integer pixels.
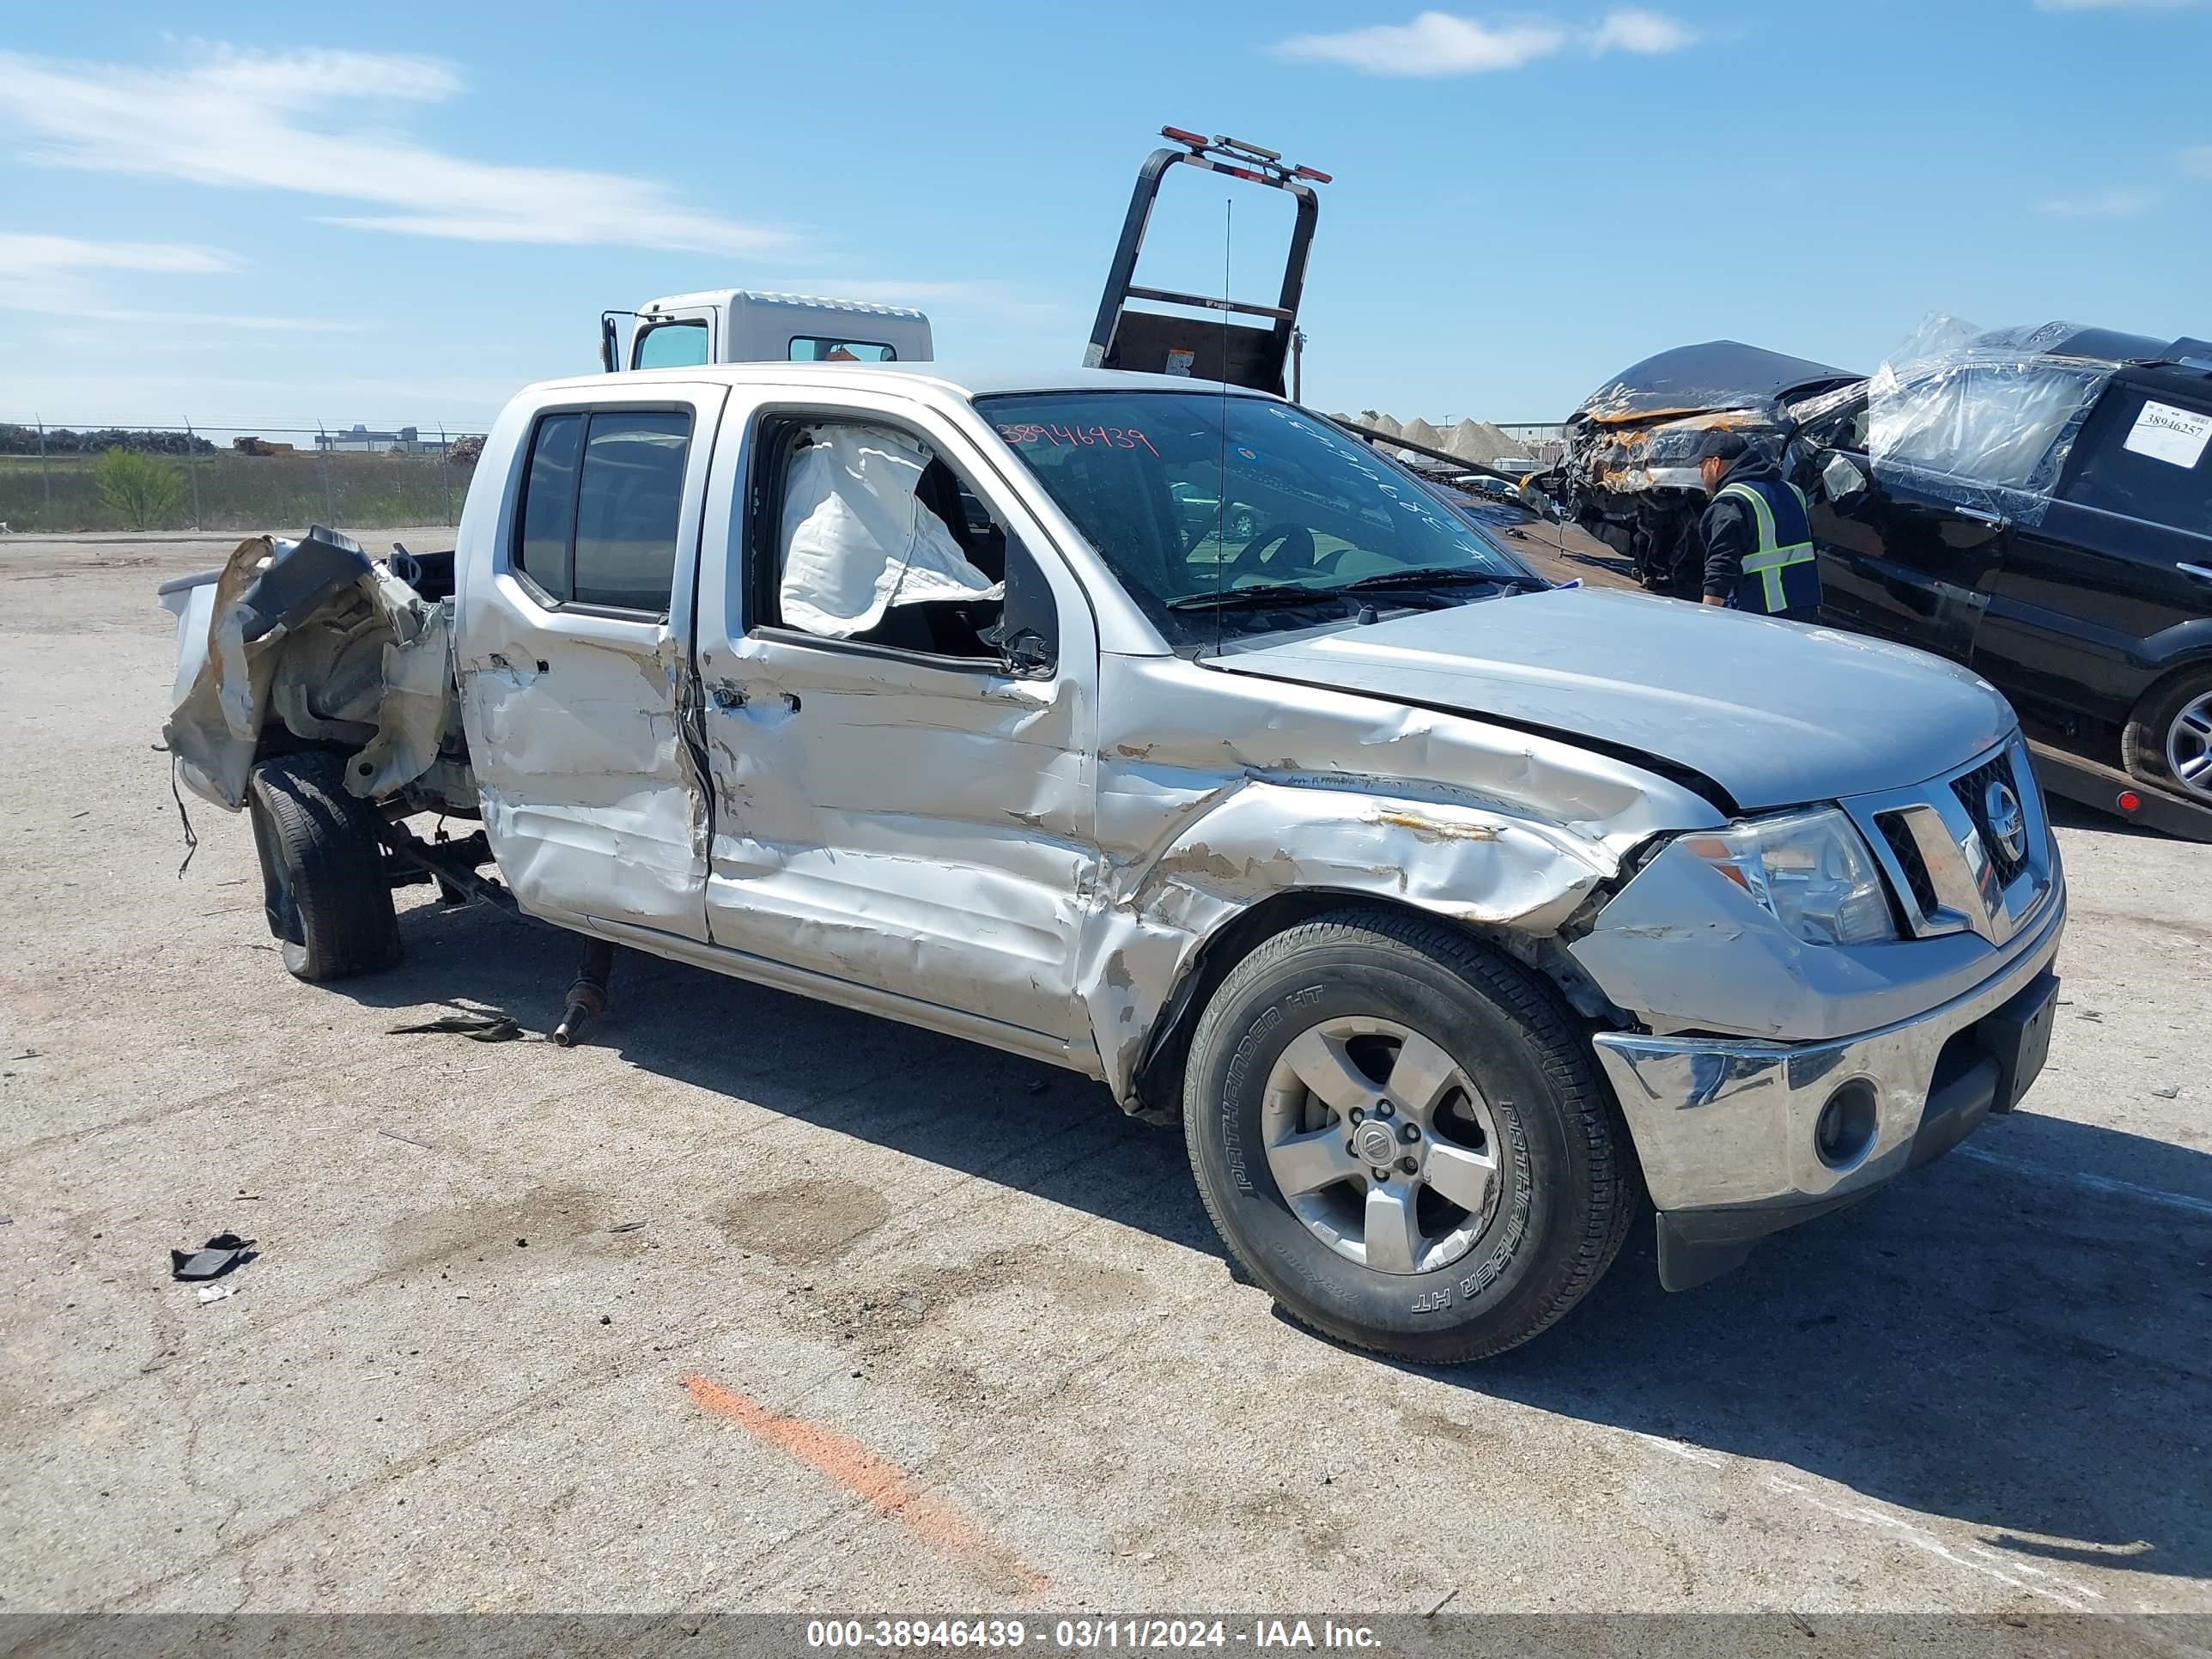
[{"x": 58, "y": 479}]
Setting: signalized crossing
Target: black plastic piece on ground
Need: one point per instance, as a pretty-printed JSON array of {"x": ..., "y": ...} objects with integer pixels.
[
  {"x": 492, "y": 1027},
  {"x": 213, "y": 1259}
]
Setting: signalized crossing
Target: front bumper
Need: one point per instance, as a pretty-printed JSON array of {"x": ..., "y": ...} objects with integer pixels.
[{"x": 1730, "y": 1133}]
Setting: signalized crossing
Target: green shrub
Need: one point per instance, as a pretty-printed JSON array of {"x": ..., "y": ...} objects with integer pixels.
[{"x": 144, "y": 489}]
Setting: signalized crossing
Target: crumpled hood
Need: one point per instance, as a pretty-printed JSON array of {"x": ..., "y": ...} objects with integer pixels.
[{"x": 1775, "y": 712}]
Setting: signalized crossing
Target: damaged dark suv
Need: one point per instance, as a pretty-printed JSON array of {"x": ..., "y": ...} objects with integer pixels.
[{"x": 2036, "y": 504}]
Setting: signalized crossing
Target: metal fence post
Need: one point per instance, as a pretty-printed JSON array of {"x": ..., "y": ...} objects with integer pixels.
[
  {"x": 330, "y": 507},
  {"x": 446, "y": 470},
  {"x": 45, "y": 484},
  {"x": 192, "y": 467}
]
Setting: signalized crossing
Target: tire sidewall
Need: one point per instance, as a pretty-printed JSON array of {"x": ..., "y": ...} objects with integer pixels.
[
  {"x": 318, "y": 851},
  {"x": 1537, "y": 1218},
  {"x": 2146, "y": 733}
]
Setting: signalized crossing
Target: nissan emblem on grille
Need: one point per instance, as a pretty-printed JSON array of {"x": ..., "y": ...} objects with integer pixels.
[{"x": 2007, "y": 823}]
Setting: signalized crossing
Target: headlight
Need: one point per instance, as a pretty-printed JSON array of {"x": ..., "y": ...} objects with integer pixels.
[{"x": 1810, "y": 870}]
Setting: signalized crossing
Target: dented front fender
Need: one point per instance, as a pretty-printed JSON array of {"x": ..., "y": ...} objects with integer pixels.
[{"x": 1217, "y": 791}]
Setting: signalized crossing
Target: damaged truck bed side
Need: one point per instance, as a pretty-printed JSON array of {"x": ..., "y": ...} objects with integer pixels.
[{"x": 1451, "y": 911}]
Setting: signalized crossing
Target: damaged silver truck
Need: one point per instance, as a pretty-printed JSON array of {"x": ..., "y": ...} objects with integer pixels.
[{"x": 1452, "y": 913}]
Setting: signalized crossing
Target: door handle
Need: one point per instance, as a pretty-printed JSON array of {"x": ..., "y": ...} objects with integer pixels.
[
  {"x": 2196, "y": 570},
  {"x": 1981, "y": 515}
]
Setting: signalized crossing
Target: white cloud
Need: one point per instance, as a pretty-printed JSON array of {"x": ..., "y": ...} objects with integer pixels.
[
  {"x": 2198, "y": 158},
  {"x": 31, "y": 257},
  {"x": 59, "y": 276},
  {"x": 1436, "y": 43},
  {"x": 294, "y": 121},
  {"x": 2104, "y": 204},
  {"x": 1638, "y": 31}
]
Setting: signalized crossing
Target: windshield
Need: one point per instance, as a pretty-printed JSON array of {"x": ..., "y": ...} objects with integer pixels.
[{"x": 1184, "y": 510}]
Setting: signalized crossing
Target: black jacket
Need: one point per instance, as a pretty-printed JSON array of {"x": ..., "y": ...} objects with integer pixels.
[{"x": 1727, "y": 533}]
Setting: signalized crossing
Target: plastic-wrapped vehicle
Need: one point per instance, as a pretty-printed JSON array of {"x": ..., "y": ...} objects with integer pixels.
[
  {"x": 2034, "y": 503},
  {"x": 1629, "y": 473}
]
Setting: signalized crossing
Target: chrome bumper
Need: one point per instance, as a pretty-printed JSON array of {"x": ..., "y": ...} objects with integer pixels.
[{"x": 1729, "y": 1125}]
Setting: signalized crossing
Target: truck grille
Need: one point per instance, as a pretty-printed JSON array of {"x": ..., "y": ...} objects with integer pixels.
[
  {"x": 1910, "y": 861},
  {"x": 1972, "y": 790},
  {"x": 1948, "y": 868}
]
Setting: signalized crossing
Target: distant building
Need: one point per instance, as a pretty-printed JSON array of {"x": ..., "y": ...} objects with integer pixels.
[{"x": 360, "y": 441}]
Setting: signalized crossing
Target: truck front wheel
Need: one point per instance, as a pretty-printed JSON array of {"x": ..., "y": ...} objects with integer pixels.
[
  {"x": 323, "y": 884},
  {"x": 1403, "y": 1137}
]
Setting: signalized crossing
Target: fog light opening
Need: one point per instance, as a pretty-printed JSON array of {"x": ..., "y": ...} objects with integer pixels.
[{"x": 1844, "y": 1132}]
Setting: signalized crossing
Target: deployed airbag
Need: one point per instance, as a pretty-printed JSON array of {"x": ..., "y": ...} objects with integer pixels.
[{"x": 857, "y": 541}]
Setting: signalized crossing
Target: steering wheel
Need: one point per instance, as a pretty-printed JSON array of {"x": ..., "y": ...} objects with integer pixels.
[{"x": 1298, "y": 549}]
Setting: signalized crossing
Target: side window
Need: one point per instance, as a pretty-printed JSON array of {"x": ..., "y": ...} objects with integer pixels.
[
  {"x": 2147, "y": 458},
  {"x": 549, "y": 504},
  {"x": 806, "y": 348},
  {"x": 878, "y": 539},
  {"x": 600, "y": 505},
  {"x": 670, "y": 345}
]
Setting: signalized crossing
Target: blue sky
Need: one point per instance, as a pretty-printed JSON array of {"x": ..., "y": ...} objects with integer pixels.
[{"x": 399, "y": 213}]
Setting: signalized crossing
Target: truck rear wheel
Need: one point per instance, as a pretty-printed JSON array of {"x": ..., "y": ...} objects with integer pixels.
[
  {"x": 2168, "y": 741},
  {"x": 1403, "y": 1137},
  {"x": 323, "y": 884}
]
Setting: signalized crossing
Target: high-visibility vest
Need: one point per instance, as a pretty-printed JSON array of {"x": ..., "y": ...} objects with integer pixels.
[{"x": 1782, "y": 574}]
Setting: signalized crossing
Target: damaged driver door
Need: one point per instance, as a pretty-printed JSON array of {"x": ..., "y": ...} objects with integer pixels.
[{"x": 572, "y": 657}]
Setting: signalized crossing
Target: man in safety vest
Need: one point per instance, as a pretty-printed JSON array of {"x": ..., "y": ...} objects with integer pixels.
[{"x": 1757, "y": 534}]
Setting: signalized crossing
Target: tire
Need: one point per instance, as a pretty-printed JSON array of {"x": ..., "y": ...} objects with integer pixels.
[
  {"x": 1324, "y": 998},
  {"x": 2174, "y": 718},
  {"x": 323, "y": 884}
]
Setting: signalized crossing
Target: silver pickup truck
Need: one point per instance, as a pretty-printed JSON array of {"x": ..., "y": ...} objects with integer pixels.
[{"x": 1448, "y": 910}]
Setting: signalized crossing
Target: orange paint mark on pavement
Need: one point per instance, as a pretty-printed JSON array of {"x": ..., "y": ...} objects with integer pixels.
[{"x": 884, "y": 1486}]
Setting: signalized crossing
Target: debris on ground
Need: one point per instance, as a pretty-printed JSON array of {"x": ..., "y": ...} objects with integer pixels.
[
  {"x": 218, "y": 1292},
  {"x": 625, "y": 1226},
  {"x": 492, "y": 1027},
  {"x": 213, "y": 1259},
  {"x": 2168, "y": 1093},
  {"x": 394, "y": 1134}
]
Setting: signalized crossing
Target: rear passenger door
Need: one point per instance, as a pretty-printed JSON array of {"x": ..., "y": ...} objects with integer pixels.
[
  {"x": 575, "y": 684},
  {"x": 2088, "y": 609}
]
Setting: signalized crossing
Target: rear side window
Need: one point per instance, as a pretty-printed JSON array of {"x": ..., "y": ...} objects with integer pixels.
[
  {"x": 807, "y": 349},
  {"x": 598, "y": 526},
  {"x": 549, "y": 504},
  {"x": 671, "y": 345},
  {"x": 2144, "y": 455}
]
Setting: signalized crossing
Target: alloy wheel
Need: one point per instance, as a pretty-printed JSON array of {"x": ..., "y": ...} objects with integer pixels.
[
  {"x": 1381, "y": 1145},
  {"x": 2189, "y": 746}
]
